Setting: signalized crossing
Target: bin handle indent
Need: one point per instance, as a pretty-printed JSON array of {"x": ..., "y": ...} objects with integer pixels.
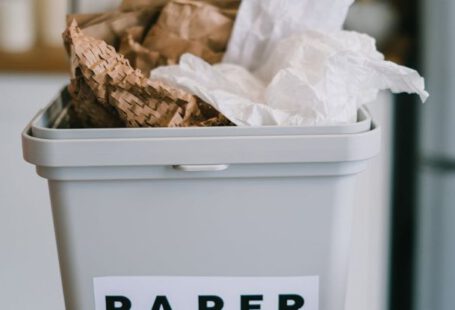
[{"x": 200, "y": 168}]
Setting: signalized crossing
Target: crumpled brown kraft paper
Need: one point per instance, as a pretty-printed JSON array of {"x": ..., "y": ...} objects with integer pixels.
[
  {"x": 228, "y": 6},
  {"x": 133, "y": 5},
  {"x": 105, "y": 79},
  {"x": 152, "y": 33},
  {"x": 201, "y": 29},
  {"x": 140, "y": 57},
  {"x": 110, "y": 26},
  {"x": 86, "y": 109}
]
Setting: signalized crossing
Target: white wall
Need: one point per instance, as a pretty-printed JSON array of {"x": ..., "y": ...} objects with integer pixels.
[{"x": 29, "y": 276}]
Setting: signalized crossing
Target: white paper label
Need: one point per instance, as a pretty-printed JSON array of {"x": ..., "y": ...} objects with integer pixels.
[{"x": 206, "y": 293}]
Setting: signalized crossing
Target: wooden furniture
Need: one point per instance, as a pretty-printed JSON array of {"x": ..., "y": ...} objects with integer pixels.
[{"x": 39, "y": 59}]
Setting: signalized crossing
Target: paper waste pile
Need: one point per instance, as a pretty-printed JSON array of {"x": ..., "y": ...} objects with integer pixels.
[{"x": 178, "y": 63}]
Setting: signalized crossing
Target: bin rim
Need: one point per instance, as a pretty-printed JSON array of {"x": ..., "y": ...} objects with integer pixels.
[
  {"x": 40, "y": 126},
  {"x": 200, "y": 150},
  {"x": 211, "y": 146}
]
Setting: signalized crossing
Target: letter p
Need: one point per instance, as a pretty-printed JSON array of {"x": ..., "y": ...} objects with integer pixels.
[{"x": 117, "y": 303}]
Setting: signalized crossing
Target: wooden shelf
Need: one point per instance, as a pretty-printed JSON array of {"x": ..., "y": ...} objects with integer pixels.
[
  {"x": 55, "y": 60},
  {"x": 39, "y": 59}
]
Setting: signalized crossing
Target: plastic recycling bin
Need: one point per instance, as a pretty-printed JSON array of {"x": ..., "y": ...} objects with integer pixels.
[{"x": 234, "y": 202}]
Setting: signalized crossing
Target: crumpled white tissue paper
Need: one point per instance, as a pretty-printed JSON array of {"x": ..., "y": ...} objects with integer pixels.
[
  {"x": 261, "y": 23},
  {"x": 306, "y": 77}
]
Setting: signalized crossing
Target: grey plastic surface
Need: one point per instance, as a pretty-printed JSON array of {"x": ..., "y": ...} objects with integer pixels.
[
  {"x": 43, "y": 122},
  {"x": 237, "y": 204},
  {"x": 201, "y": 150}
]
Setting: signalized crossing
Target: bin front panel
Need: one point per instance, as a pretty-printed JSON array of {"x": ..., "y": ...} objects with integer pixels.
[{"x": 294, "y": 226}]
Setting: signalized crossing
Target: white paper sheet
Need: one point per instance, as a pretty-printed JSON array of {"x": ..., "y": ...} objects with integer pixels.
[
  {"x": 311, "y": 79},
  {"x": 261, "y": 23},
  {"x": 278, "y": 72}
]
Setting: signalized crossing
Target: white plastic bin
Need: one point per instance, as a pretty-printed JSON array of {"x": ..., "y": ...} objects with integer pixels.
[{"x": 201, "y": 202}]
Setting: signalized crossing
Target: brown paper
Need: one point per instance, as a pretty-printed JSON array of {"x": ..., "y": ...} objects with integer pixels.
[
  {"x": 188, "y": 26},
  {"x": 105, "y": 79},
  {"x": 85, "y": 107},
  {"x": 132, "y": 5},
  {"x": 140, "y": 57},
  {"x": 169, "y": 28},
  {"x": 111, "y": 26},
  {"x": 150, "y": 36}
]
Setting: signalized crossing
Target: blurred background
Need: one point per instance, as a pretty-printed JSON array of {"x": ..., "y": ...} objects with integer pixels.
[{"x": 404, "y": 245}]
